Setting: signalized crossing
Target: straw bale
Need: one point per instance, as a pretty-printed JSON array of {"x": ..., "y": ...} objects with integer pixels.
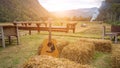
[
  {"x": 100, "y": 45},
  {"x": 60, "y": 45},
  {"x": 79, "y": 52},
  {"x": 39, "y": 49},
  {"x": 116, "y": 56},
  {"x": 50, "y": 62}
]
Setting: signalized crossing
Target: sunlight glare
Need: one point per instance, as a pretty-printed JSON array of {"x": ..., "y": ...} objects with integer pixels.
[{"x": 60, "y": 5}]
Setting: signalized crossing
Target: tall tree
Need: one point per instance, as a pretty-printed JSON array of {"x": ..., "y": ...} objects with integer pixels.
[{"x": 110, "y": 10}]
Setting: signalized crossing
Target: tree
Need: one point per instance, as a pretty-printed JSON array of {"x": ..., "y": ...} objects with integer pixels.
[
  {"x": 110, "y": 10},
  {"x": 21, "y": 10}
]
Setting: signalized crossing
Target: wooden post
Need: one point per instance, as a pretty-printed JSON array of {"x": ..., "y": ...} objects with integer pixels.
[
  {"x": 38, "y": 27},
  {"x": 28, "y": 25},
  {"x": 103, "y": 33},
  {"x": 74, "y": 27},
  {"x": 17, "y": 32},
  {"x": 116, "y": 38},
  {"x": 29, "y": 31},
  {"x": 9, "y": 39},
  {"x": 67, "y": 28},
  {"x": 3, "y": 38}
]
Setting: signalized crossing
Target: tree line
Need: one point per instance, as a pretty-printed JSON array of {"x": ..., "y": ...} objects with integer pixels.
[{"x": 110, "y": 11}]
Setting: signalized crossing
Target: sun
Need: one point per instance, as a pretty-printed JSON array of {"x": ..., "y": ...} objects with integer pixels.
[
  {"x": 60, "y": 5},
  {"x": 56, "y": 5}
]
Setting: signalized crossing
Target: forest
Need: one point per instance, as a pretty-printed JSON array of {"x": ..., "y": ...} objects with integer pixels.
[{"x": 21, "y": 10}]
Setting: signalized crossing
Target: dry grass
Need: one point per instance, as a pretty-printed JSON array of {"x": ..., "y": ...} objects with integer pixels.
[
  {"x": 50, "y": 62},
  {"x": 61, "y": 45},
  {"x": 79, "y": 52},
  {"x": 100, "y": 45},
  {"x": 39, "y": 49},
  {"x": 116, "y": 56}
]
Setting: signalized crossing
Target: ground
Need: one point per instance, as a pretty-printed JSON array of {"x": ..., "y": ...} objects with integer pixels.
[{"x": 13, "y": 56}]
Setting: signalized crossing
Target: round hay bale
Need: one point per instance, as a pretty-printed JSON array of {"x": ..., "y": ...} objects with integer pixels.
[
  {"x": 50, "y": 62},
  {"x": 79, "y": 52},
  {"x": 60, "y": 45},
  {"x": 100, "y": 45},
  {"x": 116, "y": 56}
]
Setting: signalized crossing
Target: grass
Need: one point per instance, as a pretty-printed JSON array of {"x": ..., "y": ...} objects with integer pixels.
[
  {"x": 14, "y": 56},
  {"x": 102, "y": 60},
  {"x": 98, "y": 55}
]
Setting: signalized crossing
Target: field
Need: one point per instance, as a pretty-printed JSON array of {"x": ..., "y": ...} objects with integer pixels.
[{"x": 14, "y": 56}]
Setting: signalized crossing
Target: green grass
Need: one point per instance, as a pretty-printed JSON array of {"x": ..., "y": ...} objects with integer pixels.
[
  {"x": 102, "y": 60},
  {"x": 19, "y": 53},
  {"x": 14, "y": 56},
  {"x": 98, "y": 55}
]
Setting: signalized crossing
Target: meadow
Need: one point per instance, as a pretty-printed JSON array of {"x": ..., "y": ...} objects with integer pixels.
[{"x": 14, "y": 56}]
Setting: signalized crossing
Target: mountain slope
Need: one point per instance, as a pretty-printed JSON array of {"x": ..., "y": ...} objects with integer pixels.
[
  {"x": 11, "y": 10},
  {"x": 84, "y": 12}
]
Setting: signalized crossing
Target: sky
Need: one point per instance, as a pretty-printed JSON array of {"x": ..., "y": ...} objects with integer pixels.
[{"x": 60, "y": 5}]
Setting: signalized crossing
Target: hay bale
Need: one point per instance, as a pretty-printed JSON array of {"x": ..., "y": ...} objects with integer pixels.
[
  {"x": 50, "y": 62},
  {"x": 39, "y": 49},
  {"x": 100, "y": 45},
  {"x": 116, "y": 56},
  {"x": 60, "y": 45},
  {"x": 79, "y": 52}
]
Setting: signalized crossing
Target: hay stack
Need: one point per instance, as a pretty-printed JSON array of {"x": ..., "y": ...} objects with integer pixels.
[
  {"x": 79, "y": 52},
  {"x": 100, "y": 45},
  {"x": 50, "y": 62},
  {"x": 39, "y": 49},
  {"x": 116, "y": 56},
  {"x": 60, "y": 45}
]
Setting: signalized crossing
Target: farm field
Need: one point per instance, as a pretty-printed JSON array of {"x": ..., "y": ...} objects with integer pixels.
[{"x": 14, "y": 56}]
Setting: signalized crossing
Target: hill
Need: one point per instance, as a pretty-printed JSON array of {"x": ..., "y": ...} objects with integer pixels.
[
  {"x": 21, "y": 10},
  {"x": 83, "y": 12}
]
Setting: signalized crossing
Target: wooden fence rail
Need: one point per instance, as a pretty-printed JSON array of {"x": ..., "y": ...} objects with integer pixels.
[{"x": 37, "y": 27}]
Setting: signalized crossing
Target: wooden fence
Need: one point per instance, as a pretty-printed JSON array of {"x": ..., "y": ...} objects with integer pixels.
[{"x": 44, "y": 27}]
